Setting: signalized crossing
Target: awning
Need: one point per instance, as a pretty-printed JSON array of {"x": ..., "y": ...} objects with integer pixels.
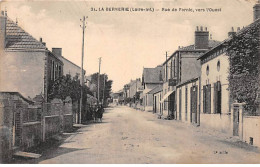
[{"x": 165, "y": 96}]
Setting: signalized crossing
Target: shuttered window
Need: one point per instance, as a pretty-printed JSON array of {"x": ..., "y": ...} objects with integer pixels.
[{"x": 207, "y": 99}]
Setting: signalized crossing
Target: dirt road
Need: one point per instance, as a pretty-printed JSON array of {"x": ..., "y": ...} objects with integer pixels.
[{"x": 130, "y": 136}]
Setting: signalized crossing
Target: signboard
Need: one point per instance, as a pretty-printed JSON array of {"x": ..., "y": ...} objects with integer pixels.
[{"x": 172, "y": 82}]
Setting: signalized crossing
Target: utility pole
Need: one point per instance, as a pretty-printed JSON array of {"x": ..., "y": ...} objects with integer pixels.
[
  {"x": 104, "y": 89},
  {"x": 98, "y": 77},
  {"x": 166, "y": 70},
  {"x": 82, "y": 70}
]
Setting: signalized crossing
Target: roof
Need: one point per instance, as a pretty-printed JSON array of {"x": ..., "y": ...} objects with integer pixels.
[
  {"x": 188, "y": 81},
  {"x": 156, "y": 89},
  {"x": 120, "y": 91},
  {"x": 229, "y": 38},
  {"x": 19, "y": 95},
  {"x": 152, "y": 75},
  {"x": 212, "y": 43},
  {"x": 17, "y": 38}
]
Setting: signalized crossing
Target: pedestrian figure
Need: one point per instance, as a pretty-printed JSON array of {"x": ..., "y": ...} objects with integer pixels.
[{"x": 94, "y": 113}]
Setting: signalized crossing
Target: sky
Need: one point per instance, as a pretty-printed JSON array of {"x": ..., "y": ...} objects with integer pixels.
[{"x": 126, "y": 41}]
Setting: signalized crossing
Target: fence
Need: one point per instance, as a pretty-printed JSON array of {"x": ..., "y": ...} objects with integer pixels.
[
  {"x": 245, "y": 125},
  {"x": 57, "y": 117},
  {"x": 24, "y": 124}
]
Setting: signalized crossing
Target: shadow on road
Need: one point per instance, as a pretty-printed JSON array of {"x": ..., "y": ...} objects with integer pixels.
[{"x": 49, "y": 149}]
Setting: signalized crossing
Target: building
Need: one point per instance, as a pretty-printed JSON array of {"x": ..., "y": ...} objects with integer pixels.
[
  {"x": 133, "y": 88},
  {"x": 68, "y": 66},
  {"x": 180, "y": 67},
  {"x": 27, "y": 66},
  {"x": 219, "y": 110},
  {"x": 157, "y": 97},
  {"x": 151, "y": 78},
  {"x": 188, "y": 101},
  {"x": 118, "y": 97}
]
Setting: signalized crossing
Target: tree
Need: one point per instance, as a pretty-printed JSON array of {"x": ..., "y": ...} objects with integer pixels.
[
  {"x": 66, "y": 86},
  {"x": 108, "y": 86},
  {"x": 243, "y": 52}
]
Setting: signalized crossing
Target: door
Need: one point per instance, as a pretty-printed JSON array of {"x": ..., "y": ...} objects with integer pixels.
[
  {"x": 180, "y": 98},
  {"x": 171, "y": 104},
  {"x": 155, "y": 105},
  {"x": 235, "y": 120},
  {"x": 193, "y": 112}
]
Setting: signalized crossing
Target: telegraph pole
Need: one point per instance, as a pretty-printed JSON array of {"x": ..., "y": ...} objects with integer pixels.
[
  {"x": 98, "y": 77},
  {"x": 104, "y": 89},
  {"x": 82, "y": 70}
]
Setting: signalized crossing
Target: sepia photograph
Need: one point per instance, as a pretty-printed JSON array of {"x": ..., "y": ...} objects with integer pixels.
[{"x": 129, "y": 82}]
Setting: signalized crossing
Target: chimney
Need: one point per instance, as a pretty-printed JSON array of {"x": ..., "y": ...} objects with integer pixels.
[
  {"x": 201, "y": 38},
  {"x": 232, "y": 32},
  {"x": 41, "y": 40},
  {"x": 256, "y": 9},
  {"x": 2, "y": 31},
  {"x": 57, "y": 51}
]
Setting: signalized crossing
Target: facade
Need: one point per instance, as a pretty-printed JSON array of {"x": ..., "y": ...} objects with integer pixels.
[
  {"x": 133, "y": 88},
  {"x": 152, "y": 77},
  {"x": 68, "y": 66},
  {"x": 181, "y": 67},
  {"x": 157, "y": 96},
  {"x": 26, "y": 64},
  {"x": 118, "y": 97},
  {"x": 218, "y": 110},
  {"x": 188, "y": 101}
]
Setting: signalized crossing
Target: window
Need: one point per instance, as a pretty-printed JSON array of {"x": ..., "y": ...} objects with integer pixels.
[
  {"x": 218, "y": 65},
  {"x": 174, "y": 68},
  {"x": 171, "y": 69},
  {"x": 59, "y": 71},
  {"x": 180, "y": 102},
  {"x": 52, "y": 70},
  {"x": 186, "y": 102},
  {"x": 207, "y": 70},
  {"x": 166, "y": 71},
  {"x": 165, "y": 105},
  {"x": 207, "y": 99}
]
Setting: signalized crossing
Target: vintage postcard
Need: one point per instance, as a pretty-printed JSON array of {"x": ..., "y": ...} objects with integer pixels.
[{"x": 130, "y": 82}]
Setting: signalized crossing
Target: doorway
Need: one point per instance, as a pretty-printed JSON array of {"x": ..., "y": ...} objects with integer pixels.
[{"x": 193, "y": 101}]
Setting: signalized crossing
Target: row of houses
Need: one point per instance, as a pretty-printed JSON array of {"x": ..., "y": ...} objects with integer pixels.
[
  {"x": 27, "y": 69},
  {"x": 200, "y": 84}
]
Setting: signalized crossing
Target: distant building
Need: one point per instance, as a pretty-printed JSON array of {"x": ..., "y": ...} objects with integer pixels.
[
  {"x": 152, "y": 77},
  {"x": 27, "y": 66},
  {"x": 157, "y": 97},
  {"x": 133, "y": 88},
  {"x": 118, "y": 96}
]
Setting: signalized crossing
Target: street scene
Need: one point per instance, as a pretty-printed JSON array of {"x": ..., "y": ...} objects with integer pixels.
[
  {"x": 143, "y": 82},
  {"x": 131, "y": 136}
]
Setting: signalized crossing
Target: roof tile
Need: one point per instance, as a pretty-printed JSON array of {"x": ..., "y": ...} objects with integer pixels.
[{"x": 17, "y": 38}]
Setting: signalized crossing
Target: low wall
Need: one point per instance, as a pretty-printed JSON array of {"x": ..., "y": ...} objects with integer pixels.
[
  {"x": 51, "y": 125},
  {"x": 251, "y": 129},
  {"x": 5, "y": 144},
  {"x": 220, "y": 122},
  {"x": 32, "y": 134},
  {"x": 68, "y": 122}
]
